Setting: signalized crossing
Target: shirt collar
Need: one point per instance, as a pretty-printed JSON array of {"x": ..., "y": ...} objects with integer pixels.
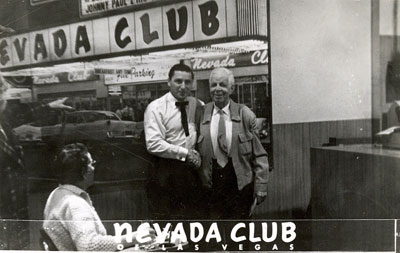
[
  {"x": 76, "y": 190},
  {"x": 225, "y": 109},
  {"x": 171, "y": 98}
]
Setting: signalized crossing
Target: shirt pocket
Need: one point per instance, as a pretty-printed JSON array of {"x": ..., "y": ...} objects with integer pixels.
[{"x": 245, "y": 143}]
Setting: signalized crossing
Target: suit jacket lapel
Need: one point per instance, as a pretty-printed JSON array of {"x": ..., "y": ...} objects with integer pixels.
[
  {"x": 235, "y": 111},
  {"x": 236, "y": 121},
  {"x": 208, "y": 113},
  {"x": 206, "y": 126}
]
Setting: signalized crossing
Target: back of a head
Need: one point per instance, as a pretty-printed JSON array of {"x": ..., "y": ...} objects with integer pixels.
[{"x": 71, "y": 163}]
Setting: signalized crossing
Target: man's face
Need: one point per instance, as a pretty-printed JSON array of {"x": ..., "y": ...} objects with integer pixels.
[
  {"x": 180, "y": 84},
  {"x": 220, "y": 88}
]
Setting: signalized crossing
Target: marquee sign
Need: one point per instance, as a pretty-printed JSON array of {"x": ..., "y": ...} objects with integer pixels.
[
  {"x": 259, "y": 57},
  {"x": 89, "y": 7},
  {"x": 65, "y": 77},
  {"x": 151, "y": 29},
  {"x": 141, "y": 73}
]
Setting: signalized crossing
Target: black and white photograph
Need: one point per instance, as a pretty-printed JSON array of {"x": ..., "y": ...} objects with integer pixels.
[{"x": 200, "y": 125}]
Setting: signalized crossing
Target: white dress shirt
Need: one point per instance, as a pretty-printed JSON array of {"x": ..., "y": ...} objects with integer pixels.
[
  {"x": 214, "y": 129},
  {"x": 165, "y": 136}
]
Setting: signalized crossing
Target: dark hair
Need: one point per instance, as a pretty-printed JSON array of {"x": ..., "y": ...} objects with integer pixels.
[
  {"x": 180, "y": 67},
  {"x": 71, "y": 163}
]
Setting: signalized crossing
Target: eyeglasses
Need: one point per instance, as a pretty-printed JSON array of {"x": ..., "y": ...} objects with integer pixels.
[{"x": 92, "y": 162}]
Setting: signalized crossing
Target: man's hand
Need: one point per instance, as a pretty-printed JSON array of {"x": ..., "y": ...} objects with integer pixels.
[
  {"x": 260, "y": 196},
  {"x": 59, "y": 104},
  {"x": 193, "y": 158}
]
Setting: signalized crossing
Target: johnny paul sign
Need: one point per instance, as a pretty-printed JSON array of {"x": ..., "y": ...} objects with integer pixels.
[
  {"x": 89, "y": 7},
  {"x": 175, "y": 24}
]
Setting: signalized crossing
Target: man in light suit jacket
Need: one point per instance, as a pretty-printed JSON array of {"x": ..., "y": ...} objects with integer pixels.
[{"x": 234, "y": 164}]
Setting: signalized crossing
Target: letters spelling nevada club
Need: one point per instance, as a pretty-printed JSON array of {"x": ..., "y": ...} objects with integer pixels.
[{"x": 81, "y": 44}]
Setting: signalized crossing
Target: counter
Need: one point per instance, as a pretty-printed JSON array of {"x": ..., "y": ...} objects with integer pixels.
[{"x": 355, "y": 182}]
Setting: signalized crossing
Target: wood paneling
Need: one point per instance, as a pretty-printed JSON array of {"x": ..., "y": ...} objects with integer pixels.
[
  {"x": 355, "y": 182},
  {"x": 290, "y": 181}
]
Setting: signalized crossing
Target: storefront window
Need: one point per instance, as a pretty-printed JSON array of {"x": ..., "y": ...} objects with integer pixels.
[{"x": 135, "y": 98}]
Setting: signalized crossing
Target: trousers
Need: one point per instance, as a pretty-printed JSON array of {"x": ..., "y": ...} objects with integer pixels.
[
  {"x": 226, "y": 201},
  {"x": 174, "y": 191}
]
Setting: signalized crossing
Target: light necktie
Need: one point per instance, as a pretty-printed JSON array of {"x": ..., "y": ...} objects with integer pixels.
[
  {"x": 222, "y": 156},
  {"x": 182, "y": 107}
]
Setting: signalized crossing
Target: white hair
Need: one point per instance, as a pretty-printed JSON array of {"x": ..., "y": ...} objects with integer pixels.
[{"x": 231, "y": 78}]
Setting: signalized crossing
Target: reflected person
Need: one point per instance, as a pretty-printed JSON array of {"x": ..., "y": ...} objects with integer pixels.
[
  {"x": 70, "y": 219},
  {"x": 13, "y": 176}
]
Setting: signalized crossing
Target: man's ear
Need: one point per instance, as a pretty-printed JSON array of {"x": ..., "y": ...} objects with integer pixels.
[{"x": 84, "y": 172}]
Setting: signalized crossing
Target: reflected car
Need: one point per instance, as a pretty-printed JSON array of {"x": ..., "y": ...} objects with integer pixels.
[
  {"x": 85, "y": 126},
  {"x": 28, "y": 133}
]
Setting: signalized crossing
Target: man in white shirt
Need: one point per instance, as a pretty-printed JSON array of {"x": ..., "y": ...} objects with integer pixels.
[{"x": 170, "y": 130}]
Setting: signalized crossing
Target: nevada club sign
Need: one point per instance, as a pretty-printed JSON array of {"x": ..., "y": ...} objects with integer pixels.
[
  {"x": 175, "y": 24},
  {"x": 258, "y": 57}
]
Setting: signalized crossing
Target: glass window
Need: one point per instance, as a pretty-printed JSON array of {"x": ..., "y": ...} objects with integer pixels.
[{"x": 71, "y": 119}]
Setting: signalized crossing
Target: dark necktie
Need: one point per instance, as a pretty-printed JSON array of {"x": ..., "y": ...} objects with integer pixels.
[
  {"x": 182, "y": 107},
  {"x": 222, "y": 143}
]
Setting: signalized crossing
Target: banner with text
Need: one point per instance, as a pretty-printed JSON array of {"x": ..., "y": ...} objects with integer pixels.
[
  {"x": 141, "y": 74},
  {"x": 65, "y": 77},
  {"x": 359, "y": 235},
  {"x": 89, "y": 7},
  {"x": 259, "y": 57},
  {"x": 155, "y": 28},
  {"x": 259, "y": 235}
]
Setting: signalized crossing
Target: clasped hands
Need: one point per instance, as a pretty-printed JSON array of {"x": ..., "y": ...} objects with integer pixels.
[{"x": 193, "y": 158}]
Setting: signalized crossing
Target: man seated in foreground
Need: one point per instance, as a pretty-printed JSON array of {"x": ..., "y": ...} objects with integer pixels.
[{"x": 70, "y": 219}]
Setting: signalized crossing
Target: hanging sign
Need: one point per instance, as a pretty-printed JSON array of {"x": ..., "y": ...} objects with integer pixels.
[
  {"x": 175, "y": 24},
  {"x": 141, "y": 73},
  {"x": 90, "y": 7},
  {"x": 259, "y": 57},
  {"x": 114, "y": 90},
  {"x": 65, "y": 77}
]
